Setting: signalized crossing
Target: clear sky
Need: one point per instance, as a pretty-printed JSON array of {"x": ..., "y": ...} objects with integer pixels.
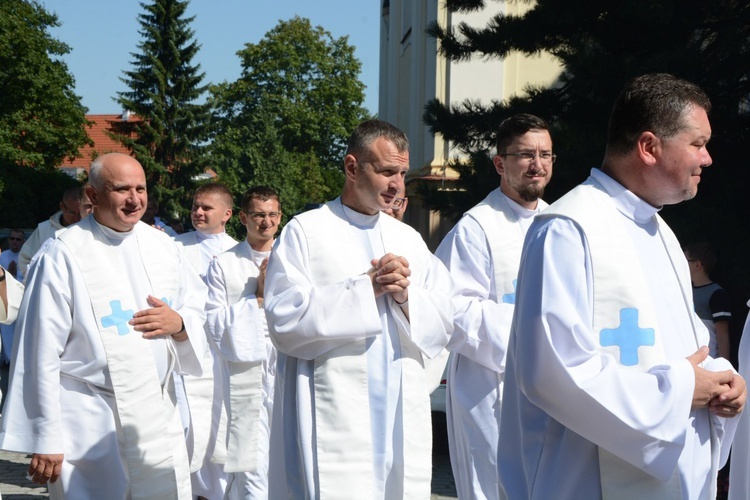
[{"x": 103, "y": 33}]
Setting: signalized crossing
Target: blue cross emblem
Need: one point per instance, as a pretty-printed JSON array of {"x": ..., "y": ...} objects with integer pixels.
[
  {"x": 118, "y": 318},
  {"x": 628, "y": 336},
  {"x": 167, "y": 301},
  {"x": 510, "y": 298}
]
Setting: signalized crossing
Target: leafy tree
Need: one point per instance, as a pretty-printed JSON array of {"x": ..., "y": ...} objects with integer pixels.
[
  {"x": 41, "y": 119},
  {"x": 286, "y": 120},
  {"x": 164, "y": 89},
  {"x": 601, "y": 45}
]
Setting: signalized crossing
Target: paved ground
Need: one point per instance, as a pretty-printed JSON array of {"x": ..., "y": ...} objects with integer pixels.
[{"x": 15, "y": 486}]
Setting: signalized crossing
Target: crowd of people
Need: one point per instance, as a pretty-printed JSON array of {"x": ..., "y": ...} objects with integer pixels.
[{"x": 150, "y": 365}]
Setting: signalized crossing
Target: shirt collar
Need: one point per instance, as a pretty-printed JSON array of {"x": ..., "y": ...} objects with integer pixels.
[{"x": 626, "y": 201}]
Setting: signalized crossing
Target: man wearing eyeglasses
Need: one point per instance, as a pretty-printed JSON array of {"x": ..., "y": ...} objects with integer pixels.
[
  {"x": 609, "y": 390},
  {"x": 9, "y": 263},
  {"x": 356, "y": 304},
  {"x": 238, "y": 329},
  {"x": 398, "y": 208},
  {"x": 199, "y": 398},
  {"x": 68, "y": 214},
  {"x": 483, "y": 252}
]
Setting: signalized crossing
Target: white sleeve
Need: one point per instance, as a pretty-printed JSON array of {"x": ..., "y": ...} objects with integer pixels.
[
  {"x": 238, "y": 331},
  {"x": 191, "y": 306},
  {"x": 306, "y": 321},
  {"x": 642, "y": 417},
  {"x": 482, "y": 326}
]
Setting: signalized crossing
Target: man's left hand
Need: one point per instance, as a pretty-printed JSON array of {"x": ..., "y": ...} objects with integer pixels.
[
  {"x": 158, "y": 321},
  {"x": 731, "y": 402},
  {"x": 390, "y": 275}
]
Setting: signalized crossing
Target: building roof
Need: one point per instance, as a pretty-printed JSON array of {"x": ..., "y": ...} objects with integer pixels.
[{"x": 103, "y": 143}]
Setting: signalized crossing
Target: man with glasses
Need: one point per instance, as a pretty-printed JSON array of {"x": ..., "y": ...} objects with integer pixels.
[
  {"x": 199, "y": 398},
  {"x": 356, "y": 304},
  {"x": 398, "y": 208},
  {"x": 9, "y": 262},
  {"x": 68, "y": 214},
  {"x": 483, "y": 252},
  {"x": 239, "y": 332},
  {"x": 609, "y": 390}
]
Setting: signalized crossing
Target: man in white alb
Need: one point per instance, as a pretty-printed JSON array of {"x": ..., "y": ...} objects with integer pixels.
[
  {"x": 111, "y": 309},
  {"x": 483, "y": 252},
  {"x": 200, "y": 398},
  {"x": 355, "y": 304},
  {"x": 609, "y": 390},
  {"x": 238, "y": 330}
]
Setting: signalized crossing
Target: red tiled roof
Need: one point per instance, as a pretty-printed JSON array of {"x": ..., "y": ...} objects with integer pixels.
[{"x": 103, "y": 143}]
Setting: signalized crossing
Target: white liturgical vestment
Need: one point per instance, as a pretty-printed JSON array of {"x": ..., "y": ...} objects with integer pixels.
[
  {"x": 739, "y": 472},
  {"x": 238, "y": 330},
  {"x": 84, "y": 383},
  {"x": 351, "y": 410},
  {"x": 482, "y": 253},
  {"x": 598, "y": 393}
]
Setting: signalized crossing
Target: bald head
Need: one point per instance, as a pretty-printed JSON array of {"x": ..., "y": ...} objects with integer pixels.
[{"x": 117, "y": 189}]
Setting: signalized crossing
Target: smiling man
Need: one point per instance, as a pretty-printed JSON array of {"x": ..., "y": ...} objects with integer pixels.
[
  {"x": 110, "y": 309},
  {"x": 355, "y": 304},
  {"x": 609, "y": 390},
  {"x": 483, "y": 252}
]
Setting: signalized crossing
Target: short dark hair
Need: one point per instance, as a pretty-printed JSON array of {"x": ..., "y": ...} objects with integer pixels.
[
  {"x": 262, "y": 193},
  {"x": 702, "y": 252},
  {"x": 370, "y": 130},
  {"x": 217, "y": 189},
  {"x": 656, "y": 103},
  {"x": 17, "y": 231},
  {"x": 515, "y": 126}
]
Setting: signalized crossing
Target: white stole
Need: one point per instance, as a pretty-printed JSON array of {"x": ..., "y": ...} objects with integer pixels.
[
  {"x": 344, "y": 449},
  {"x": 505, "y": 238},
  {"x": 245, "y": 378},
  {"x": 145, "y": 412},
  {"x": 622, "y": 298}
]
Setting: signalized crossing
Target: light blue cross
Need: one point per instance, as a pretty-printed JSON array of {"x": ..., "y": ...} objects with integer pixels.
[
  {"x": 167, "y": 301},
  {"x": 510, "y": 298},
  {"x": 628, "y": 336},
  {"x": 118, "y": 318}
]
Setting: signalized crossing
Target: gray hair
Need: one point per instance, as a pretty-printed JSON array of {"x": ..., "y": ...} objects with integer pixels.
[{"x": 370, "y": 130}]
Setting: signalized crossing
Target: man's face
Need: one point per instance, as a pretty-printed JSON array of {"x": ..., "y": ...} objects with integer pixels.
[
  {"x": 261, "y": 219},
  {"x": 681, "y": 160},
  {"x": 377, "y": 178},
  {"x": 210, "y": 213},
  {"x": 85, "y": 206},
  {"x": 122, "y": 200},
  {"x": 70, "y": 211},
  {"x": 15, "y": 241},
  {"x": 524, "y": 180}
]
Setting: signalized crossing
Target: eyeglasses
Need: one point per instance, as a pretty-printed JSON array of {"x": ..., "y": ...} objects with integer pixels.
[
  {"x": 259, "y": 216},
  {"x": 527, "y": 157},
  {"x": 398, "y": 203}
]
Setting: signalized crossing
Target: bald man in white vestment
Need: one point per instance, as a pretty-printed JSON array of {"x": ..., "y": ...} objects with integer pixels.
[
  {"x": 482, "y": 253},
  {"x": 110, "y": 310},
  {"x": 609, "y": 390},
  {"x": 200, "y": 398},
  {"x": 239, "y": 332},
  {"x": 355, "y": 304}
]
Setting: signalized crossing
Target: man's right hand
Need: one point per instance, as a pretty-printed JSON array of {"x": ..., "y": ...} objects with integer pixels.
[
  {"x": 708, "y": 384},
  {"x": 45, "y": 468}
]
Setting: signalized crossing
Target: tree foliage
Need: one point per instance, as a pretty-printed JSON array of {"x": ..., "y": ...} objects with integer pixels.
[
  {"x": 41, "y": 119},
  {"x": 601, "y": 45},
  {"x": 165, "y": 87},
  {"x": 285, "y": 121}
]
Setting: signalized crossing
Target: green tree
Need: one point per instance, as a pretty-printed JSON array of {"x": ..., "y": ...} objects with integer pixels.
[
  {"x": 41, "y": 119},
  {"x": 165, "y": 87},
  {"x": 286, "y": 120},
  {"x": 601, "y": 45}
]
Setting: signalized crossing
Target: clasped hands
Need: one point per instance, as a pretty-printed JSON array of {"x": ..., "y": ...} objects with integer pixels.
[
  {"x": 723, "y": 393},
  {"x": 390, "y": 274},
  {"x": 159, "y": 321}
]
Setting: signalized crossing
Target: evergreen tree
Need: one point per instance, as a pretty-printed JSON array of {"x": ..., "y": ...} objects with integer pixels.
[
  {"x": 164, "y": 89},
  {"x": 42, "y": 121}
]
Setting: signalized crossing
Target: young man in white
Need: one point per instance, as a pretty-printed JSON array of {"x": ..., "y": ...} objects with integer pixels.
[
  {"x": 609, "y": 392},
  {"x": 200, "y": 398},
  {"x": 483, "y": 252},
  {"x": 237, "y": 327},
  {"x": 110, "y": 310},
  {"x": 355, "y": 304}
]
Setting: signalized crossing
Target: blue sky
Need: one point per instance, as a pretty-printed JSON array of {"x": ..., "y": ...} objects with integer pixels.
[{"x": 103, "y": 33}]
